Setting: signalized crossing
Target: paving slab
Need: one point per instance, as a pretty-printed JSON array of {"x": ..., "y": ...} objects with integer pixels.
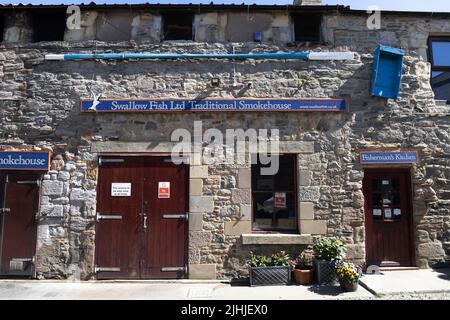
[
  {"x": 410, "y": 281},
  {"x": 142, "y": 290}
]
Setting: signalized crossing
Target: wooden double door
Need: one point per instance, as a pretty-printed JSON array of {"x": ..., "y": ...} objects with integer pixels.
[
  {"x": 141, "y": 230},
  {"x": 388, "y": 208},
  {"x": 19, "y": 205}
]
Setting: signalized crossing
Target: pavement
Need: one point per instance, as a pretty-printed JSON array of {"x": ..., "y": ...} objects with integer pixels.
[
  {"x": 414, "y": 281},
  {"x": 395, "y": 283}
]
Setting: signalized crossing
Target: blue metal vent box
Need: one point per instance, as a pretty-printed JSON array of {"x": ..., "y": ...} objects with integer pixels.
[{"x": 387, "y": 72}]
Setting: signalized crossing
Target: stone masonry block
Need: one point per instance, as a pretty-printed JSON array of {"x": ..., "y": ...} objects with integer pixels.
[
  {"x": 315, "y": 227},
  {"x": 198, "y": 172},
  {"x": 237, "y": 228},
  {"x": 245, "y": 178},
  {"x": 296, "y": 147},
  {"x": 52, "y": 211},
  {"x": 195, "y": 187},
  {"x": 306, "y": 211},
  {"x": 195, "y": 221},
  {"x": 309, "y": 194},
  {"x": 304, "y": 178},
  {"x": 52, "y": 188},
  {"x": 202, "y": 271},
  {"x": 241, "y": 196},
  {"x": 201, "y": 204},
  {"x": 246, "y": 212},
  {"x": 198, "y": 239}
]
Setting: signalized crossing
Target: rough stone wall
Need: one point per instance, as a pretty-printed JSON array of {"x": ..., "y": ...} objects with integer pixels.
[{"x": 39, "y": 109}]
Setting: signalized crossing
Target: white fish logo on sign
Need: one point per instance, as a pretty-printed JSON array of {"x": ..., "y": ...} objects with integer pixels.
[{"x": 95, "y": 100}]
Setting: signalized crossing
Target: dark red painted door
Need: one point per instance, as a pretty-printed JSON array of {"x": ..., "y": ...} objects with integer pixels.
[
  {"x": 141, "y": 231},
  {"x": 388, "y": 210},
  {"x": 20, "y": 204}
]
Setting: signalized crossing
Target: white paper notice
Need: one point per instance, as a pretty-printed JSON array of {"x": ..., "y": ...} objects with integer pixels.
[
  {"x": 385, "y": 182},
  {"x": 377, "y": 212},
  {"x": 387, "y": 213},
  {"x": 397, "y": 212},
  {"x": 121, "y": 190}
]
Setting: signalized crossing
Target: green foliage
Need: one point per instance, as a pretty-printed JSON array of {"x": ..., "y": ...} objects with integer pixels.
[
  {"x": 329, "y": 249},
  {"x": 304, "y": 261},
  {"x": 258, "y": 261},
  {"x": 277, "y": 259}
]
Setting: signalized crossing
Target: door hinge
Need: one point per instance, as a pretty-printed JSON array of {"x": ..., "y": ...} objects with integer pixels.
[
  {"x": 105, "y": 269},
  {"x": 183, "y": 160},
  {"x": 37, "y": 182},
  {"x": 174, "y": 269},
  {"x": 5, "y": 210},
  {"x": 109, "y": 160},
  {"x": 184, "y": 216},
  {"x": 108, "y": 217}
]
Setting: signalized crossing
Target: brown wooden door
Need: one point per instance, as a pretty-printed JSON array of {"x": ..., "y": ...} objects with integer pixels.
[
  {"x": 133, "y": 239},
  {"x": 20, "y": 204},
  {"x": 388, "y": 210}
]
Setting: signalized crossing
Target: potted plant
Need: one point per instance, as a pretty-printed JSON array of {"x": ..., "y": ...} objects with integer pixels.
[
  {"x": 348, "y": 274},
  {"x": 327, "y": 251},
  {"x": 274, "y": 271},
  {"x": 303, "y": 272}
]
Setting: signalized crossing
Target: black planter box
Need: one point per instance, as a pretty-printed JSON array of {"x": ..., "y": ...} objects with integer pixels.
[
  {"x": 325, "y": 273},
  {"x": 269, "y": 276}
]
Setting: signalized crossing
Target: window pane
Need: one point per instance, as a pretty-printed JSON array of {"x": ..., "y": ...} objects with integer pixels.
[
  {"x": 441, "y": 54},
  {"x": 274, "y": 197},
  {"x": 268, "y": 216},
  {"x": 441, "y": 85}
]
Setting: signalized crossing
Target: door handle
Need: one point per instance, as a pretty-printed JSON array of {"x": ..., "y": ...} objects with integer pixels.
[
  {"x": 5, "y": 210},
  {"x": 145, "y": 222}
]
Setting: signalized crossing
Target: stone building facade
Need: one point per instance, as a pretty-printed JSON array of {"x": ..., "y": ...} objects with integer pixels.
[{"x": 40, "y": 111}]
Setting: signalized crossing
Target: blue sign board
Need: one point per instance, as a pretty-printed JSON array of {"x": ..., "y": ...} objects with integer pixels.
[
  {"x": 212, "y": 105},
  {"x": 24, "y": 160},
  {"x": 388, "y": 157}
]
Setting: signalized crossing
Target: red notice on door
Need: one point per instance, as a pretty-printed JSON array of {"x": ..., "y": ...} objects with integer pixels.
[
  {"x": 280, "y": 200},
  {"x": 163, "y": 190}
]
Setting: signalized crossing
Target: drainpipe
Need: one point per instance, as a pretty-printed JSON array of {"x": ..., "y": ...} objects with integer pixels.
[{"x": 306, "y": 56}]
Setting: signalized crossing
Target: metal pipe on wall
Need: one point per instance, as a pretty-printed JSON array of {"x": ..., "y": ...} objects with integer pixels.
[{"x": 306, "y": 56}]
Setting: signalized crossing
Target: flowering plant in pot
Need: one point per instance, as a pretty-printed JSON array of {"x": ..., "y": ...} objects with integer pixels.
[
  {"x": 348, "y": 274},
  {"x": 303, "y": 272},
  {"x": 326, "y": 252}
]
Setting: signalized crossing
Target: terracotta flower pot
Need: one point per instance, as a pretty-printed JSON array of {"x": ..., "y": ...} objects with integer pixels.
[{"x": 304, "y": 276}]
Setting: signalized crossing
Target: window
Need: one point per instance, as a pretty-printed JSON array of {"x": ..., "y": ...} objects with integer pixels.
[
  {"x": 439, "y": 49},
  {"x": 49, "y": 25},
  {"x": 178, "y": 26},
  {"x": 307, "y": 27},
  {"x": 275, "y": 197},
  {"x": 2, "y": 26}
]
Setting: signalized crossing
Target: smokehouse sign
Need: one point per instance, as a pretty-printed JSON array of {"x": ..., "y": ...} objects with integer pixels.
[
  {"x": 24, "y": 160},
  {"x": 212, "y": 105}
]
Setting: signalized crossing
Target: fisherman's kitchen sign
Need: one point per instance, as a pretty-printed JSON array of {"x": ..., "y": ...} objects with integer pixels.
[
  {"x": 99, "y": 105},
  {"x": 388, "y": 157},
  {"x": 24, "y": 160}
]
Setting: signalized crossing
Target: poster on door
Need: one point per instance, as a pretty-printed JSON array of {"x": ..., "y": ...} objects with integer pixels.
[
  {"x": 163, "y": 190},
  {"x": 120, "y": 189},
  {"x": 280, "y": 199}
]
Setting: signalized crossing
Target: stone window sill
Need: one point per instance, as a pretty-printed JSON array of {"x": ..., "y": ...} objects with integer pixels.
[{"x": 263, "y": 239}]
